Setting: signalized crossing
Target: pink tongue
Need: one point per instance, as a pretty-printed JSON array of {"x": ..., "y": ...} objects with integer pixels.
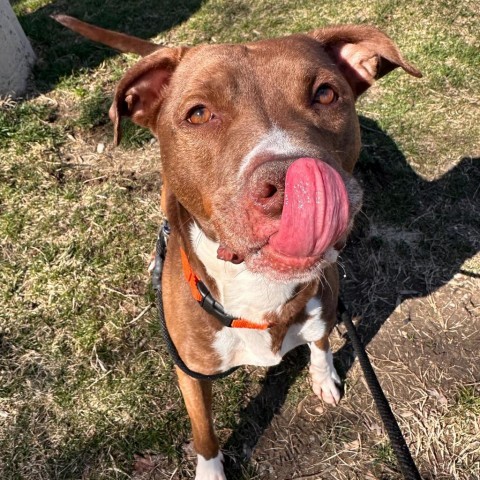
[{"x": 315, "y": 209}]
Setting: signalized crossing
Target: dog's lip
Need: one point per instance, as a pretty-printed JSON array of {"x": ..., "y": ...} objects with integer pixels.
[
  {"x": 228, "y": 255},
  {"x": 267, "y": 257},
  {"x": 305, "y": 262}
]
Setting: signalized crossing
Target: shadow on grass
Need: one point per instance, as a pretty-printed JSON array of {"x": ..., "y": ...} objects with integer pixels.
[
  {"x": 414, "y": 234},
  {"x": 258, "y": 414},
  {"x": 61, "y": 52},
  {"x": 412, "y": 238}
]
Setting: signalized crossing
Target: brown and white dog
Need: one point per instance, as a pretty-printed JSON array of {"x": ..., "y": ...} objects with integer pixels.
[{"x": 258, "y": 142}]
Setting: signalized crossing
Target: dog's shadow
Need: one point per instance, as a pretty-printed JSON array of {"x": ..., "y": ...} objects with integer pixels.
[{"x": 411, "y": 237}]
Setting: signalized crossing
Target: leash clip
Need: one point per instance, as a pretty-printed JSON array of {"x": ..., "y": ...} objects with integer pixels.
[{"x": 211, "y": 306}]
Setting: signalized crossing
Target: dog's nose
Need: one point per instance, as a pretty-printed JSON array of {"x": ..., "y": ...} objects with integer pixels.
[
  {"x": 266, "y": 187},
  {"x": 267, "y": 196}
]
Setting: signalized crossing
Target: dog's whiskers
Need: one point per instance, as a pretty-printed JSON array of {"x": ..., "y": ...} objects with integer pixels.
[
  {"x": 198, "y": 239},
  {"x": 187, "y": 220}
]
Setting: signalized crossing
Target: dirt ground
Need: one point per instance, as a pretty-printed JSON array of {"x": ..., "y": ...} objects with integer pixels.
[{"x": 422, "y": 354}]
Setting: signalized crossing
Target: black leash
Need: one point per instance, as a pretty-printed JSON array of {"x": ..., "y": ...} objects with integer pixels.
[{"x": 400, "y": 448}]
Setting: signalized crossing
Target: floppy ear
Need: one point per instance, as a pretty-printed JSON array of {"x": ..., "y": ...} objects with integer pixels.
[
  {"x": 363, "y": 54},
  {"x": 141, "y": 91}
]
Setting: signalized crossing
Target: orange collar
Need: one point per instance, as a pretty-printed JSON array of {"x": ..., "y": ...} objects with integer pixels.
[{"x": 203, "y": 296}]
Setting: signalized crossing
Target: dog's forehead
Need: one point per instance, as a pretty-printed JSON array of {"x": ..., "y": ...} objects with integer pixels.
[{"x": 293, "y": 56}]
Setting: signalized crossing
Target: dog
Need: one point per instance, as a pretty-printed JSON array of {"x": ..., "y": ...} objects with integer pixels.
[{"x": 258, "y": 142}]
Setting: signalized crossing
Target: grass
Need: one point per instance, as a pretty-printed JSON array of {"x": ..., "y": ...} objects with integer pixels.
[{"x": 85, "y": 381}]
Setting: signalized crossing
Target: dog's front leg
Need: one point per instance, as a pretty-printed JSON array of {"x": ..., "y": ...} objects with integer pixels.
[
  {"x": 198, "y": 400},
  {"x": 325, "y": 380}
]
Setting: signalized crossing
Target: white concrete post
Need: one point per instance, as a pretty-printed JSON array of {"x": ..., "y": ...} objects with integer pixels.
[{"x": 16, "y": 54}]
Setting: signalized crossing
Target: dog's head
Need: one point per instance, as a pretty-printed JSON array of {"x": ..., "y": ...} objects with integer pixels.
[{"x": 258, "y": 141}]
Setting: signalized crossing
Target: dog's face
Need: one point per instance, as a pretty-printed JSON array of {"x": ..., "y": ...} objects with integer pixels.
[{"x": 259, "y": 141}]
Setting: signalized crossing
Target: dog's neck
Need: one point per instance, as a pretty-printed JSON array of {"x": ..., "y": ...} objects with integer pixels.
[{"x": 242, "y": 293}]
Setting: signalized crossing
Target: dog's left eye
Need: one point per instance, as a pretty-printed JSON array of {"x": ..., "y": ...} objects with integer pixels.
[
  {"x": 325, "y": 95},
  {"x": 198, "y": 115}
]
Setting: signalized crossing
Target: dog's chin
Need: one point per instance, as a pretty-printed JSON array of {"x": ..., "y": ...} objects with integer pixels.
[{"x": 283, "y": 268}]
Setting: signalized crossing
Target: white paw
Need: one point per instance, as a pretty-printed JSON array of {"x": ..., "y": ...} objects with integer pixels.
[
  {"x": 325, "y": 380},
  {"x": 210, "y": 469},
  {"x": 326, "y": 385}
]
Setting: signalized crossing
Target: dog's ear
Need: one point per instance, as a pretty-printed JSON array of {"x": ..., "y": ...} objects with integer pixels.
[
  {"x": 141, "y": 91},
  {"x": 363, "y": 54}
]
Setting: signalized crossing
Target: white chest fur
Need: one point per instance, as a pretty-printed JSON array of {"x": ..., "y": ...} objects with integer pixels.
[
  {"x": 243, "y": 346},
  {"x": 242, "y": 293},
  {"x": 248, "y": 295}
]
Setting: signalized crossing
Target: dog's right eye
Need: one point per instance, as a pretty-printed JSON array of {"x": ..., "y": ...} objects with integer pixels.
[
  {"x": 199, "y": 114},
  {"x": 325, "y": 95}
]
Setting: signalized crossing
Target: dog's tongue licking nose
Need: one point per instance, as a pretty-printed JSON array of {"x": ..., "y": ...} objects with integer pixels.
[{"x": 315, "y": 209}]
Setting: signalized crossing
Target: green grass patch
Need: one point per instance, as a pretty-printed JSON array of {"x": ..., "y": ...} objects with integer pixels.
[
  {"x": 385, "y": 455},
  {"x": 468, "y": 400},
  {"x": 28, "y": 124}
]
